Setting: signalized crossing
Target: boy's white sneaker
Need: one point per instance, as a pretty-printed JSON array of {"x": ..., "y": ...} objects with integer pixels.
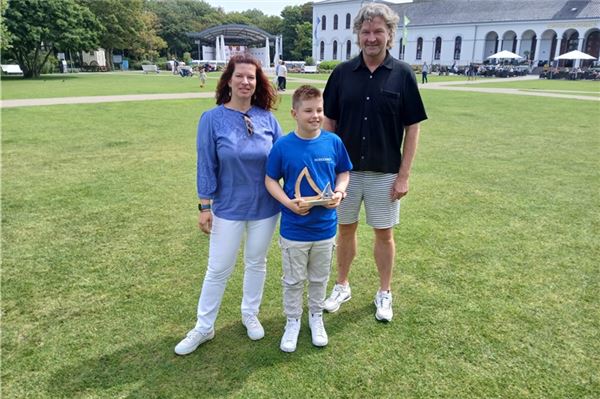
[
  {"x": 192, "y": 340},
  {"x": 339, "y": 295},
  {"x": 383, "y": 302},
  {"x": 317, "y": 329},
  {"x": 290, "y": 335},
  {"x": 254, "y": 328}
]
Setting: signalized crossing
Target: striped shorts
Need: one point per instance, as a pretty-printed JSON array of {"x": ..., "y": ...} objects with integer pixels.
[{"x": 374, "y": 188}]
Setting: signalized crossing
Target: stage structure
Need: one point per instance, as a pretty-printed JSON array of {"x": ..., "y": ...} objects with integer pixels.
[{"x": 221, "y": 42}]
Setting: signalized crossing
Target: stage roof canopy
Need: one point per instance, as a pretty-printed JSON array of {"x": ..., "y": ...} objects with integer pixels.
[{"x": 235, "y": 35}]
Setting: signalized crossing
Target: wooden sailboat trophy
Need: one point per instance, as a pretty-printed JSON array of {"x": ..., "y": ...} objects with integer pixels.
[{"x": 322, "y": 198}]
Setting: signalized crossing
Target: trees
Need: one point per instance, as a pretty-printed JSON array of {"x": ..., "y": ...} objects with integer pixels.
[
  {"x": 5, "y": 37},
  {"x": 149, "y": 43},
  {"x": 122, "y": 23},
  {"x": 39, "y": 27},
  {"x": 178, "y": 17},
  {"x": 303, "y": 43},
  {"x": 294, "y": 16},
  {"x": 32, "y": 30}
]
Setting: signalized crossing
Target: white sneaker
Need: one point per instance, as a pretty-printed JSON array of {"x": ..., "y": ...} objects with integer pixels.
[
  {"x": 339, "y": 295},
  {"x": 290, "y": 336},
  {"x": 317, "y": 329},
  {"x": 192, "y": 340},
  {"x": 254, "y": 328},
  {"x": 383, "y": 302}
]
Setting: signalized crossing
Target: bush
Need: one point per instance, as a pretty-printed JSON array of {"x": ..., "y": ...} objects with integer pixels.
[
  {"x": 328, "y": 66},
  {"x": 136, "y": 64},
  {"x": 309, "y": 61},
  {"x": 187, "y": 58},
  {"x": 51, "y": 65}
]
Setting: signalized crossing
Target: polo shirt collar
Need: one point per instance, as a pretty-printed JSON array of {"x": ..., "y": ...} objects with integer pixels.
[{"x": 359, "y": 62}]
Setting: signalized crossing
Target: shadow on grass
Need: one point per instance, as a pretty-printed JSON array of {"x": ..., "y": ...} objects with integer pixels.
[{"x": 218, "y": 368}]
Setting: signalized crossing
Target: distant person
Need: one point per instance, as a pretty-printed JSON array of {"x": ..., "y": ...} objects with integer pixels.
[
  {"x": 373, "y": 103},
  {"x": 424, "y": 72},
  {"x": 307, "y": 233},
  {"x": 202, "y": 75},
  {"x": 233, "y": 142},
  {"x": 175, "y": 66},
  {"x": 281, "y": 76}
]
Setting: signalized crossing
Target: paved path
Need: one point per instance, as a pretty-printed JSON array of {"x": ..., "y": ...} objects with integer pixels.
[
  {"x": 468, "y": 86},
  {"x": 471, "y": 86}
]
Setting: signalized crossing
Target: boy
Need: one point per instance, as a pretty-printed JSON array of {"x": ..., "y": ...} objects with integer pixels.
[{"x": 307, "y": 230}]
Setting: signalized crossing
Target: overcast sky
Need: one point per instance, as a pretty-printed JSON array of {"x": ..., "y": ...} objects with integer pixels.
[{"x": 269, "y": 7}]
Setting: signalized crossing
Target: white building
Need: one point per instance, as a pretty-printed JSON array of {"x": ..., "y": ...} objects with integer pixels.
[{"x": 464, "y": 31}]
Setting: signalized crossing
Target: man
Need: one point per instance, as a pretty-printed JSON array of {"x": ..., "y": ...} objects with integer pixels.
[
  {"x": 373, "y": 103},
  {"x": 424, "y": 72},
  {"x": 281, "y": 72}
]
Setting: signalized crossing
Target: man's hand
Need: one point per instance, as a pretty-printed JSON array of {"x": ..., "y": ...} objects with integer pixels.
[{"x": 399, "y": 188}]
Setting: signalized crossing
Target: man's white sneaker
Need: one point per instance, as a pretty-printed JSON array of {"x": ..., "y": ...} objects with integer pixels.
[
  {"x": 253, "y": 326},
  {"x": 290, "y": 336},
  {"x": 317, "y": 329},
  {"x": 192, "y": 340},
  {"x": 383, "y": 302},
  {"x": 339, "y": 295}
]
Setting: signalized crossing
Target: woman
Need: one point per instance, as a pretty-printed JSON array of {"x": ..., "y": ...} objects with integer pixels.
[{"x": 233, "y": 142}]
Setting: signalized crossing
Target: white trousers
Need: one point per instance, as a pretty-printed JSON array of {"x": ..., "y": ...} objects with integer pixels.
[
  {"x": 225, "y": 240},
  {"x": 301, "y": 262}
]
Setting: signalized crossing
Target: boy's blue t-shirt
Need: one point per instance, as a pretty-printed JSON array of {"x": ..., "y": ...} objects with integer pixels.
[{"x": 325, "y": 156}]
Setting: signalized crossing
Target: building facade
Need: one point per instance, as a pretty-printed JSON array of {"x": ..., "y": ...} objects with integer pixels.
[{"x": 446, "y": 32}]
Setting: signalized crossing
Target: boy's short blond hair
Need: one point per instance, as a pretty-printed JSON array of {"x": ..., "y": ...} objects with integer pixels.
[{"x": 303, "y": 93}]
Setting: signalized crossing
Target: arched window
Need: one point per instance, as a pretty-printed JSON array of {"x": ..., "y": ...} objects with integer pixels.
[
  {"x": 348, "y": 21},
  {"x": 401, "y": 51},
  {"x": 457, "y": 47},
  {"x": 419, "y": 48},
  {"x": 572, "y": 42},
  {"x": 348, "y": 49},
  {"x": 322, "y": 51},
  {"x": 533, "y": 46},
  {"x": 438, "y": 48},
  {"x": 323, "y": 22},
  {"x": 335, "y": 49},
  {"x": 335, "y": 22},
  {"x": 592, "y": 47}
]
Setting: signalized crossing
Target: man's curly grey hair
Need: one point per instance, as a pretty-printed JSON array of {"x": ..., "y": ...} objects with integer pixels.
[{"x": 372, "y": 10}]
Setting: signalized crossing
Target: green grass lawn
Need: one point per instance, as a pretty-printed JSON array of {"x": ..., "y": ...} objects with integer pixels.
[
  {"x": 103, "y": 84},
  {"x": 496, "y": 285},
  {"x": 584, "y": 86}
]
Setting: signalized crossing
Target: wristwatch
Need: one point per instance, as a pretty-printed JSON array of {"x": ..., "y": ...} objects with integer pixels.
[{"x": 203, "y": 207}]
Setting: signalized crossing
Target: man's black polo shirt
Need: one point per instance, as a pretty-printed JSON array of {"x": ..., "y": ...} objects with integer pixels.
[{"x": 371, "y": 110}]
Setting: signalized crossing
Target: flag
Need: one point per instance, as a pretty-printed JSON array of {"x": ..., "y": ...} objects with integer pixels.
[
  {"x": 405, "y": 30},
  {"x": 317, "y": 27}
]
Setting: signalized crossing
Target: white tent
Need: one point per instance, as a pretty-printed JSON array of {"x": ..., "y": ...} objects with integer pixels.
[
  {"x": 575, "y": 55},
  {"x": 505, "y": 54}
]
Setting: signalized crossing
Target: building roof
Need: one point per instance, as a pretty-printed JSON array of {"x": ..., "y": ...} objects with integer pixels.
[
  {"x": 235, "y": 35},
  {"x": 444, "y": 12}
]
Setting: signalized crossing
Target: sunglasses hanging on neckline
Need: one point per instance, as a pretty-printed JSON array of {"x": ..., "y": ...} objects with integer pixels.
[{"x": 249, "y": 124}]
